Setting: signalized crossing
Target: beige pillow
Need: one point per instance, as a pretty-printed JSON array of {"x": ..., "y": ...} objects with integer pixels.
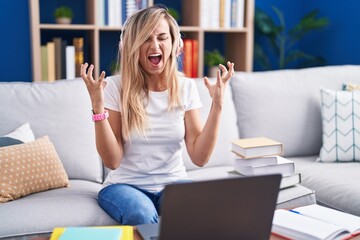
[{"x": 29, "y": 168}]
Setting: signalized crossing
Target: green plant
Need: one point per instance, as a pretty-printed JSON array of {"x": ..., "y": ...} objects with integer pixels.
[
  {"x": 282, "y": 43},
  {"x": 213, "y": 58},
  {"x": 114, "y": 67},
  {"x": 63, "y": 12},
  {"x": 174, "y": 13}
]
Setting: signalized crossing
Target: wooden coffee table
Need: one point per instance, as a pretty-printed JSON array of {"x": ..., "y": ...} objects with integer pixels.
[{"x": 138, "y": 237}]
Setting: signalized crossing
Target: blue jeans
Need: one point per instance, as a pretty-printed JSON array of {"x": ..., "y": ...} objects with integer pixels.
[{"x": 130, "y": 205}]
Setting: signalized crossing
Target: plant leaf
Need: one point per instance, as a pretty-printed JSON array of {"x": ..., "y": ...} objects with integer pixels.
[{"x": 261, "y": 58}]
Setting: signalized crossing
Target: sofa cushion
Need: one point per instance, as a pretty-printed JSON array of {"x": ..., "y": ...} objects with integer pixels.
[
  {"x": 285, "y": 104},
  {"x": 222, "y": 154},
  {"x": 41, "y": 212},
  {"x": 341, "y": 126},
  {"x": 61, "y": 110},
  {"x": 335, "y": 185},
  {"x": 29, "y": 168}
]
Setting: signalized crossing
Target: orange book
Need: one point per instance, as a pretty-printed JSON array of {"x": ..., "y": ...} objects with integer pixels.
[
  {"x": 79, "y": 54},
  {"x": 195, "y": 58},
  {"x": 187, "y": 60}
]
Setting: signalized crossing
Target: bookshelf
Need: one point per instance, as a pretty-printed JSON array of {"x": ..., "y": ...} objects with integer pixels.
[{"x": 238, "y": 42}]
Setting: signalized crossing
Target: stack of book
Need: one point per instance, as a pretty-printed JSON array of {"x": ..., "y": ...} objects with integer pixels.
[
  {"x": 60, "y": 60},
  {"x": 261, "y": 155},
  {"x": 190, "y": 59},
  {"x": 222, "y": 13}
]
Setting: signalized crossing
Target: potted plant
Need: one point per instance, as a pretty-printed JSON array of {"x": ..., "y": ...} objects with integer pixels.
[
  {"x": 212, "y": 60},
  {"x": 63, "y": 15},
  {"x": 282, "y": 43}
]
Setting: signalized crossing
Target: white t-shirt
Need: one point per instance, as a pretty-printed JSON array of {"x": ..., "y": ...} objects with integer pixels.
[{"x": 151, "y": 163}]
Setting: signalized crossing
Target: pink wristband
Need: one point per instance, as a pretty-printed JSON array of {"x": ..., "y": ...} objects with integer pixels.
[{"x": 100, "y": 117}]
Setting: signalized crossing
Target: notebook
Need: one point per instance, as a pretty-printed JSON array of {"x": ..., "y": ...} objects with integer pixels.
[{"x": 234, "y": 208}]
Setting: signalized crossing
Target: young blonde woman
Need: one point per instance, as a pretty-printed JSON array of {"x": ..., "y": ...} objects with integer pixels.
[{"x": 142, "y": 116}]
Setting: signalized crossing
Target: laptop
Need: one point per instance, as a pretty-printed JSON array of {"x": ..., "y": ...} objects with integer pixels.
[{"x": 233, "y": 208}]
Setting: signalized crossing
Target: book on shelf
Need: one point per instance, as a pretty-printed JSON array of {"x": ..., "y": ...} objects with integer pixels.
[
  {"x": 283, "y": 166},
  {"x": 190, "y": 57},
  {"x": 51, "y": 61},
  {"x": 315, "y": 222},
  {"x": 222, "y": 13},
  {"x": 44, "y": 63},
  {"x": 58, "y": 58},
  {"x": 70, "y": 62},
  {"x": 286, "y": 181},
  {"x": 256, "y": 147},
  {"x": 79, "y": 54},
  {"x": 89, "y": 233}
]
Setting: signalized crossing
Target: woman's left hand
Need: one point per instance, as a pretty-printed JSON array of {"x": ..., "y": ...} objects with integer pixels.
[{"x": 217, "y": 90}]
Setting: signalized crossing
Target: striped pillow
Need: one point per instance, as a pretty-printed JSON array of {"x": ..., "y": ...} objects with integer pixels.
[{"x": 340, "y": 112}]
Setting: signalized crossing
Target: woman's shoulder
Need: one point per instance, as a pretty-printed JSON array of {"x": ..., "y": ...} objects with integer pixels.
[
  {"x": 113, "y": 81},
  {"x": 186, "y": 82}
]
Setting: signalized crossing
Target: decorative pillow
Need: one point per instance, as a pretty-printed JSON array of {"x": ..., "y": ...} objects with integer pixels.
[
  {"x": 22, "y": 133},
  {"x": 341, "y": 126},
  {"x": 8, "y": 141},
  {"x": 351, "y": 87},
  {"x": 29, "y": 168}
]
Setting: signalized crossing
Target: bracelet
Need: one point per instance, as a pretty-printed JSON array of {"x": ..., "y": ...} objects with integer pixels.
[{"x": 100, "y": 117}]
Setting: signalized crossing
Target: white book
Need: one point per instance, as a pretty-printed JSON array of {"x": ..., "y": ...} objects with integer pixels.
[
  {"x": 240, "y": 14},
  {"x": 70, "y": 62},
  {"x": 260, "y": 161},
  {"x": 100, "y": 12},
  {"x": 283, "y": 166},
  {"x": 227, "y": 15},
  {"x": 214, "y": 13},
  {"x": 204, "y": 8},
  {"x": 112, "y": 12},
  {"x": 286, "y": 181},
  {"x": 118, "y": 13},
  {"x": 315, "y": 222}
]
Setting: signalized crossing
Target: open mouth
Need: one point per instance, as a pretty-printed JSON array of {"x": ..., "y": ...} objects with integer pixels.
[{"x": 155, "y": 58}]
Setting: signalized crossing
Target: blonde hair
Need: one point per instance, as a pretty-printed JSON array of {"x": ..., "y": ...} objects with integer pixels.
[{"x": 134, "y": 92}]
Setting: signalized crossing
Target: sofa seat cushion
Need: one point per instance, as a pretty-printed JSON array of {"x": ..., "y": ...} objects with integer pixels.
[
  {"x": 40, "y": 213},
  {"x": 60, "y": 110},
  {"x": 335, "y": 184}
]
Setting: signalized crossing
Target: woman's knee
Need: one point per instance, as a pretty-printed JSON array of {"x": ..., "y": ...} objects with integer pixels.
[{"x": 127, "y": 205}]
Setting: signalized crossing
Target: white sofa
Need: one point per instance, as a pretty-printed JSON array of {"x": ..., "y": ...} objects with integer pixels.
[{"x": 283, "y": 105}]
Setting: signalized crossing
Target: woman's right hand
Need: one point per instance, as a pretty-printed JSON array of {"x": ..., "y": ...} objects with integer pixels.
[{"x": 94, "y": 87}]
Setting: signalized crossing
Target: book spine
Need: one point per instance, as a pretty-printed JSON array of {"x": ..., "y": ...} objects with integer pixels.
[
  {"x": 51, "y": 61},
  {"x": 187, "y": 64},
  {"x": 79, "y": 54},
  {"x": 58, "y": 60},
  {"x": 195, "y": 58},
  {"x": 44, "y": 63},
  {"x": 240, "y": 13},
  {"x": 63, "y": 59},
  {"x": 70, "y": 62}
]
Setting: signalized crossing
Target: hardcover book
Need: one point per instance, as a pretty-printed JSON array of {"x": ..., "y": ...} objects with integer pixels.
[
  {"x": 256, "y": 147},
  {"x": 286, "y": 181},
  {"x": 283, "y": 166},
  {"x": 315, "y": 222}
]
